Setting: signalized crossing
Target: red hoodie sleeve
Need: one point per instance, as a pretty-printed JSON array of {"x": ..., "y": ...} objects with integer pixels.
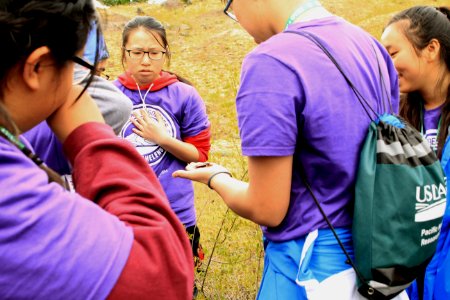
[
  {"x": 202, "y": 142},
  {"x": 113, "y": 174}
]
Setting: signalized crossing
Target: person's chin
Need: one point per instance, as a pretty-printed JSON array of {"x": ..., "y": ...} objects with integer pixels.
[
  {"x": 404, "y": 88},
  {"x": 259, "y": 40},
  {"x": 146, "y": 79}
]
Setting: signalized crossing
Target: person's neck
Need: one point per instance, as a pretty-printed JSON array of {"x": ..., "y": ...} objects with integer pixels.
[
  {"x": 434, "y": 95},
  {"x": 308, "y": 10},
  {"x": 15, "y": 101},
  {"x": 284, "y": 13},
  {"x": 313, "y": 14}
]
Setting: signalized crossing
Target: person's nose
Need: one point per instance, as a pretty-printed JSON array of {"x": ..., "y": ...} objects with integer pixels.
[
  {"x": 146, "y": 59},
  {"x": 396, "y": 63}
]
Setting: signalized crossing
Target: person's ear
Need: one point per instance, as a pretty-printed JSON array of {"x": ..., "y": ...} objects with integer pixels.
[
  {"x": 432, "y": 51},
  {"x": 32, "y": 69}
]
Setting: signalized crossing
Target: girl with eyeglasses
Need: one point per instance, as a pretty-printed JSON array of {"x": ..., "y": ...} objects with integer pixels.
[
  {"x": 418, "y": 40},
  {"x": 116, "y": 237},
  {"x": 169, "y": 125},
  {"x": 296, "y": 114}
]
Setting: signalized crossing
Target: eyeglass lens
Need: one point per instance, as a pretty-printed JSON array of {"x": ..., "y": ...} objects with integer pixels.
[{"x": 139, "y": 54}]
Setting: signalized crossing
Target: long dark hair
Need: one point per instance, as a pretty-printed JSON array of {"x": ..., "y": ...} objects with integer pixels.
[
  {"x": 153, "y": 26},
  {"x": 424, "y": 24},
  {"x": 61, "y": 25}
]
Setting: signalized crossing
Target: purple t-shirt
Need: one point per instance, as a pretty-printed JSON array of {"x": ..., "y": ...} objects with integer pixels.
[
  {"x": 293, "y": 101},
  {"x": 184, "y": 115},
  {"x": 48, "y": 148},
  {"x": 54, "y": 244},
  {"x": 430, "y": 126}
]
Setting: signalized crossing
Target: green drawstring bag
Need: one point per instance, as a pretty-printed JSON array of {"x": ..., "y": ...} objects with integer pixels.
[{"x": 400, "y": 200}]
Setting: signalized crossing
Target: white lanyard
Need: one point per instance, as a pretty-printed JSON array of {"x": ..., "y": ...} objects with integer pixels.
[{"x": 145, "y": 96}]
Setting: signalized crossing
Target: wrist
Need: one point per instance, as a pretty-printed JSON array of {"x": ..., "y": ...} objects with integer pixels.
[
  {"x": 215, "y": 176},
  {"x": 163, "y": 140}
]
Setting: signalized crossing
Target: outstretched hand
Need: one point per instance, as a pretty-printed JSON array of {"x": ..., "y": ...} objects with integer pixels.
[{"x": 199, "y": 171}]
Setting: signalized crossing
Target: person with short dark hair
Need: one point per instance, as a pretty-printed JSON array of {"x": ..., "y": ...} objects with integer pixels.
[{"x": 297, "y": 112}]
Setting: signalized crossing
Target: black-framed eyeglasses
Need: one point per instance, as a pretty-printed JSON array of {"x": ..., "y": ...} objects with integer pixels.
[
  {"x": 229, "y": 13},
  {"x": 83, "y": 63},
  {"x": 138, "y": 54}
]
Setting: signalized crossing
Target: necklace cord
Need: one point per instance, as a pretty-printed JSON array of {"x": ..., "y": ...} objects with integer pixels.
[
  {"x": 303, "y": 8},
  {"x": 52, "y": 175}
]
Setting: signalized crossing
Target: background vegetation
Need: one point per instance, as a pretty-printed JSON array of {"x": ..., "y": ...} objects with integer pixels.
[
  {"x": 117, "y": 2},
  {"x": 207, "y": 48}
]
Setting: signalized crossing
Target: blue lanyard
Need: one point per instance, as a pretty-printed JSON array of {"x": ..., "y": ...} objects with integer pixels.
[{"x": 301, "y": 10}]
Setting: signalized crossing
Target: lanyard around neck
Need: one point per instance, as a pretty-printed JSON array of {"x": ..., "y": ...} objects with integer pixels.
[
  {"x": 301, "y": 10},
  {"x": 52, "y": 175},
  {"x": 16, "y": 142},
  {"x": 145, "y": 95}
]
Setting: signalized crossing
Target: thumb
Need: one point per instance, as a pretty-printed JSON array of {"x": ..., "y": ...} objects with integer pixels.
[{"x": 181, "y": 174}]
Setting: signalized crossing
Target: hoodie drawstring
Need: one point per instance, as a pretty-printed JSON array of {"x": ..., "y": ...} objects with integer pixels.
[{"x": 145, "y": 96}]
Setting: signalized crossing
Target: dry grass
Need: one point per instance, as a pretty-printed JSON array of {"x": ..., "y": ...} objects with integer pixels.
[{"x": 208, "y": 49}]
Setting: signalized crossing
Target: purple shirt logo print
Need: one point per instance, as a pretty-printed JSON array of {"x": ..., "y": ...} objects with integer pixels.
[{"x": 152, "y": 153}]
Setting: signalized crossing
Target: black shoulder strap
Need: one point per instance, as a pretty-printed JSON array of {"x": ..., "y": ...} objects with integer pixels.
[{"x": 364, "y": 103}]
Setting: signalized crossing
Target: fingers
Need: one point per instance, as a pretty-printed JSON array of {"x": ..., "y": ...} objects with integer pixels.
[
  {"x": 135, "y": 122},
  {"x": 199, "y": 171},
  {"x": 138, "y": 132},
  {"x": 181, "y": 174},
  {"x": 193, "y": 171},
  {"x": 194, "y": 175},
  {"x": 196, "y": 165},
  {"x": 145, "y": 116},
  {"x": 140, "y": 119},
  {"x": 142, "y": 116},
  {"x": 159, "y": 117},
  {"x": 143, "y": 112},
  {"x": 137, "y": 115}
]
